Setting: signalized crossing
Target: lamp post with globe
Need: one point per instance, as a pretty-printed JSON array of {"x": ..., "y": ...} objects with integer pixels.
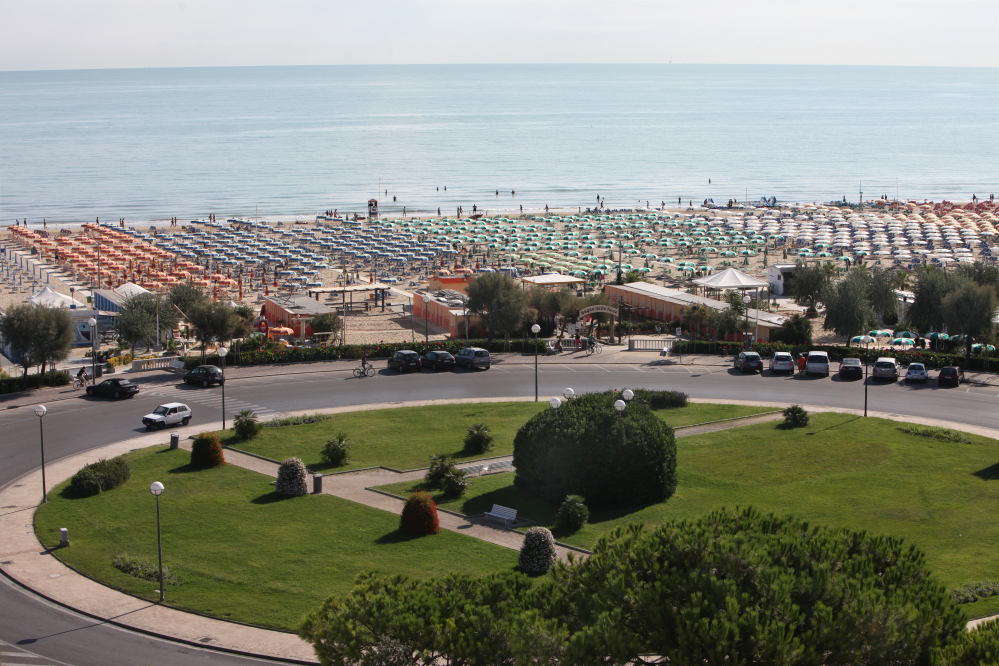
[
  {"x": 745, "y": 338},
  {"x": 40, "y": 411},
  {"x": 535, "y": 329},
  {"x": 157, "y": 489},
  {"x": 222, "y": 353},
  {"x": 93, "y": 349},
  {"x": 426, "y": 320}
]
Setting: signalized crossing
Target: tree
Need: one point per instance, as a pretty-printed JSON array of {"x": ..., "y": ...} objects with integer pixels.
[
  {"x": 498, "y": 303},
  {"x": 634, "y": 276},
  {"x": 18, "y": 330},
  {"x": 326, "y": 322},
  {"x": 848, "y": 308},
  {"x": 810, "y": 284},
  {"x": 697, "y": 316},
  {"x": 136, "y": 322},
  {"x": 970, "y": 311},
  {"x": 186, "y": 296},
  {"x": 797, "y": 330},
  {"x": 982, "y": 273},
  {"x": 53, "y": 336},
  {"x": 881, "y": 291},
  {"x": 925, "y": 314},
  {"x": 214, "y": 321}
]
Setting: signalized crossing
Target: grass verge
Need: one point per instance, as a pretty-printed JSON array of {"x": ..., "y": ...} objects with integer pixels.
[
  {"x": 406, "y": 437},
  {"x": 242, "y": 552}
]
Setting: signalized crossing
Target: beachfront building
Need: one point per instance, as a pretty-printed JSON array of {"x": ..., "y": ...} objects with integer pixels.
[
  {"x": 779, "y": 276},
  {"x": 664, "y": 304},
  {"x": 552, "y": 281},
  {"x": 294, "y": 312},
  {"x": 111, "y": 300},
  {"x": 445, "y": 311},
  {"x": 453, "y": 282}
]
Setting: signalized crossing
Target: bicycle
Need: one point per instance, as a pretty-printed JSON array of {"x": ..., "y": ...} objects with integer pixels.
[
  {"x": 79, "y": 383},
  {"x": 364, "y": 371},
  {"x": 594, "y": 349}
]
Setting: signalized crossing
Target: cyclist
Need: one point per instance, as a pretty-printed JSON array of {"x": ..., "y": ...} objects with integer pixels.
[
  {"x": 591, "y": 342},
  {"x": 364, "y": 361},
  {"x": 82, "y": 375}
]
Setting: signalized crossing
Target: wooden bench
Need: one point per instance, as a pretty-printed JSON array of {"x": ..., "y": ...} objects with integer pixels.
[{"x": 503, "y": 513}]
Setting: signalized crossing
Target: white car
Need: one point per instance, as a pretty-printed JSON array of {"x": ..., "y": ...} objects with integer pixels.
[
  {"x": 817, "y": 363},
  {"x": 782, "y": 362},
  {"x": 916, "y": 372},
  {"x": 171, "y": 413}
]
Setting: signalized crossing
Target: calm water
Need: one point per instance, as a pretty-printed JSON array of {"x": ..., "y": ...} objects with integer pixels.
[{"x": 153, "y": 143}]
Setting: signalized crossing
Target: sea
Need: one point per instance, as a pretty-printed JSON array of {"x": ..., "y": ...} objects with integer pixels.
[{"x": 290, "y": 142}]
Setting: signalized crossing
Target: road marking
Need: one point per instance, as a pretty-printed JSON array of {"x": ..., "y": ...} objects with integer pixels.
[
  {"x": 634, "y": 368},
  {"x": 601, "y": 367},
  {"x": 567, "y": 367}
]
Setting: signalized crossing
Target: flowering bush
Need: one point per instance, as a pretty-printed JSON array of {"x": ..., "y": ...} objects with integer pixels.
[
  {"x": 537, "y": 554},
  {"x": 419, "y": 515},
  {"x": 291, "y": 478},
  {"x": 206, "y": 451}
]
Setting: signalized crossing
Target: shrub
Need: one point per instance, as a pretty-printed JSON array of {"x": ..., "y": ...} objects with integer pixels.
[
  {"x": 972, "y": 648},
  {"x": 572, "y": 514},
  {"x": 206, "y": 451},
  {"x": 246, "y": 425},
  {"x": 587, "y": 448},
  {"x": 305, "y": 419},
  {"x": 932, "y": 432},
  {"x": 440, "y": 466},
  {"x": 454, "y": 483},
  {"x": 335, "y": 451},
  {"x": 419, "y": 515},
  {"x": 142, "y": 568},
  {"x": 291, "y": 478},
  {"x": 478, "y": 440},
  {"x": 100, "y": 476},
  {"x": 537, "y": 553},
  {"x": 655, "y": 399},
  {"x": 972, "y": 592},
  {"x": 795, "y": 416}
]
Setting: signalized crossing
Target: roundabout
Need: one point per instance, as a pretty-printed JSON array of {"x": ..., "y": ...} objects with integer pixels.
[{"x": 79, "y": 424}]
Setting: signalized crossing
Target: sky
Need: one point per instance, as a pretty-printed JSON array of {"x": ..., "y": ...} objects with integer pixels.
[{"x": 101, "y": 34}]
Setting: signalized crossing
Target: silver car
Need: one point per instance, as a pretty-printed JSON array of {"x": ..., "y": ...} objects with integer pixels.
[
  {"x": 782, "y": 362},
  {"x": 886, "y": 368}
]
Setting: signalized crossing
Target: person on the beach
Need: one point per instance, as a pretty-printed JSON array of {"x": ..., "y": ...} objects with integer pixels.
[{"x": 521, "y": 208}]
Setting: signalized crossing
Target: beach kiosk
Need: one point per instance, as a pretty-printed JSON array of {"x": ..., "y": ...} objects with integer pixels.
[{"x": 372, "y": 208}]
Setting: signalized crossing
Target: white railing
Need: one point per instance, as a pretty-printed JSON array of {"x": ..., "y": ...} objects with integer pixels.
[
  {"x": 649, "y": 344},
  {"x": 154, "y": 363}
]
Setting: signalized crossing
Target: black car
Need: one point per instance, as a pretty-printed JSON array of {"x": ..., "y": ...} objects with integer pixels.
[
  {"x": 437, "y": 360},
  {"x": 206, "y": 375},
  {"x": 950, "y": 374},
  {"x": 404, "y": 360},
  {"x": 750, "y": 361},
  {"x": 851, "y": 367},
  {"x": 114, "y": 388}
]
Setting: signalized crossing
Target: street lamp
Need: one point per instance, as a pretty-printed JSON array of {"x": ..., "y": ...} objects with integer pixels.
[
  {"x": 535, "y": 329},
  {"x": 93, "y": 349},
  {"x": 619, "y": 405},
  {"x": 745, "y": 338},
  {"x": 628, "y": 395},
  {"x": 426, "y": 320},
  {"x": 865, "y": 384},
  {"x": 222, "y": 352},
  {"x": 555, "y": 403},
  {"x": 569, "y": 394},
  {"x": 40, "y": 411},
  {"x": 157, "y": 489}
]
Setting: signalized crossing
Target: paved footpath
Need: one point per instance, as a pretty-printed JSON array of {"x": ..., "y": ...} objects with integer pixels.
[{"x": 25, "y": 560}]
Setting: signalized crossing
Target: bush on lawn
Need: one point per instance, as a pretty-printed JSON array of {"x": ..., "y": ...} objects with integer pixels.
[
  {"x": 291, "y": 478},
  {"x": 572, "y": 514},
  {"x": 537, "y": 553},
  {"x": 336, "y": 450},
  {"x": 655, "y": 399},
  {"x": 587, "y": 448},
  {"x": 478, "y": 440},
  {"x": 454, "y": 483},
  {"x": 100, "y": 476},
  {"x": 206, "y": 451},
  {"x": 419, "y": 515},
  {"x": 246, "y": 425},
  {"x": 140, "y": 567},
  {"x": 972, "y": 592},
  {"x": 795, "y": 416},
  {"x": 441, "y": 465}
]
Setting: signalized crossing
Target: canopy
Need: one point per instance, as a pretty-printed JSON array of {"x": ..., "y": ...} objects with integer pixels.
[
  {"x": 731, "y": 278},
  {"x": 50, "y": 298}
]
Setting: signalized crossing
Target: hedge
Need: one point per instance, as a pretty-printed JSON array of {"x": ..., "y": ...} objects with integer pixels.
[{"x": 51, "y": 378}]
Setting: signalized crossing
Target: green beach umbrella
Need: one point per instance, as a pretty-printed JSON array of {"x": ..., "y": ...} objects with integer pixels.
[
  {"x": 937, "y": 336},
  {"x": 903, "y": 341},
  {"x": 880, "y": 334}
]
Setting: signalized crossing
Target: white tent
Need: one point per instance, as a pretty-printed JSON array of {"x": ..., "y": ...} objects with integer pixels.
[
  {"x": 731, "y": 278},
  {"x": 50, "y": 298},
  {"x": 130, "y": 289}
]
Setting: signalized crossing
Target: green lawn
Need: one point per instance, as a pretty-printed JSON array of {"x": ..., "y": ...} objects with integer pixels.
[
  {"x": 406, "y": 437},
  {"x": 841, "y": 471},
  {"x": 242, "y": 552}
]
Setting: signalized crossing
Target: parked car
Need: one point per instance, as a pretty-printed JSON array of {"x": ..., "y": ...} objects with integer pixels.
[
  {"x": 206, "y": 375},
  {"x": 916, "y": 372},
  {"x": 171, "y": 413},
  {"x": 817, "y": 363},
  {"x": 851, "y": 368},
  {"x": 950, "y": 374},
  {"x": 782, "y": 362},
  {"x": 886, "y": 368},
  {"x": 437, "y": 360},
  {"x": 750, "y": 361},
  {"x": 473, "y": 357},
  {"x": 115, "y": 388},
  {"x": 404, "y": 360}
]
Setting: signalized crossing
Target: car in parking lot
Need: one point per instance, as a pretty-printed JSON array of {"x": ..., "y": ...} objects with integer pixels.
[
  {"x": 114, "y": 388},
  {"x": 782, "y": 362},
  {"x": 916, "y": 372},
  {"x": 437, "y": 360},
  {"x": 851, "y": 368},
  {"x": 817, "y": 363},
  {"x": 473, "y": 357},
  {"x": 750, "y": 361},
  {"x": 206, "y": 375},
  {"x": 950, "y": 375},
  {"x": 886, "y": 368},
  {"x": 404, "y": 360},
  {"x": 171, "y": 413}
]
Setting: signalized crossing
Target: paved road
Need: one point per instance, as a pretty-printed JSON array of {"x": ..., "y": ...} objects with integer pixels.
[{"x": 79, "y": 424}]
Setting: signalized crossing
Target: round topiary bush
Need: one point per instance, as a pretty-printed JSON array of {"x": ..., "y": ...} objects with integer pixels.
[
  {"x": 572, "y": 514},
  {"x": 419, "y": 515},
  {"x": 587, "y": 448},
  {"x": 537, "y": 553},
  {"x": 206, "y": 451},
  {"x": 478, "y": 440},
  {"x": 795, "y": 416},
  {"x": 291, "y": 478},
  {"x": 85, "y": 483}
]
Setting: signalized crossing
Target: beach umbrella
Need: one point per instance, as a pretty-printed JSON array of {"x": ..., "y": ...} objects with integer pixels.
[
  {"x": 906, "y": 334},
  {"x": 880, "y": 334},
  {"x": 937, "y": 336},
  {"x": 978, "y": 347},
  {"x": 747, "y": 253},
  {"x": 902, "y": 341}
]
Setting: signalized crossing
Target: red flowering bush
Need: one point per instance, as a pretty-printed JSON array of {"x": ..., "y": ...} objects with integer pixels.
[
  {"x": 207, "y": 451},
  {"x": 419, "y": 515}
]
